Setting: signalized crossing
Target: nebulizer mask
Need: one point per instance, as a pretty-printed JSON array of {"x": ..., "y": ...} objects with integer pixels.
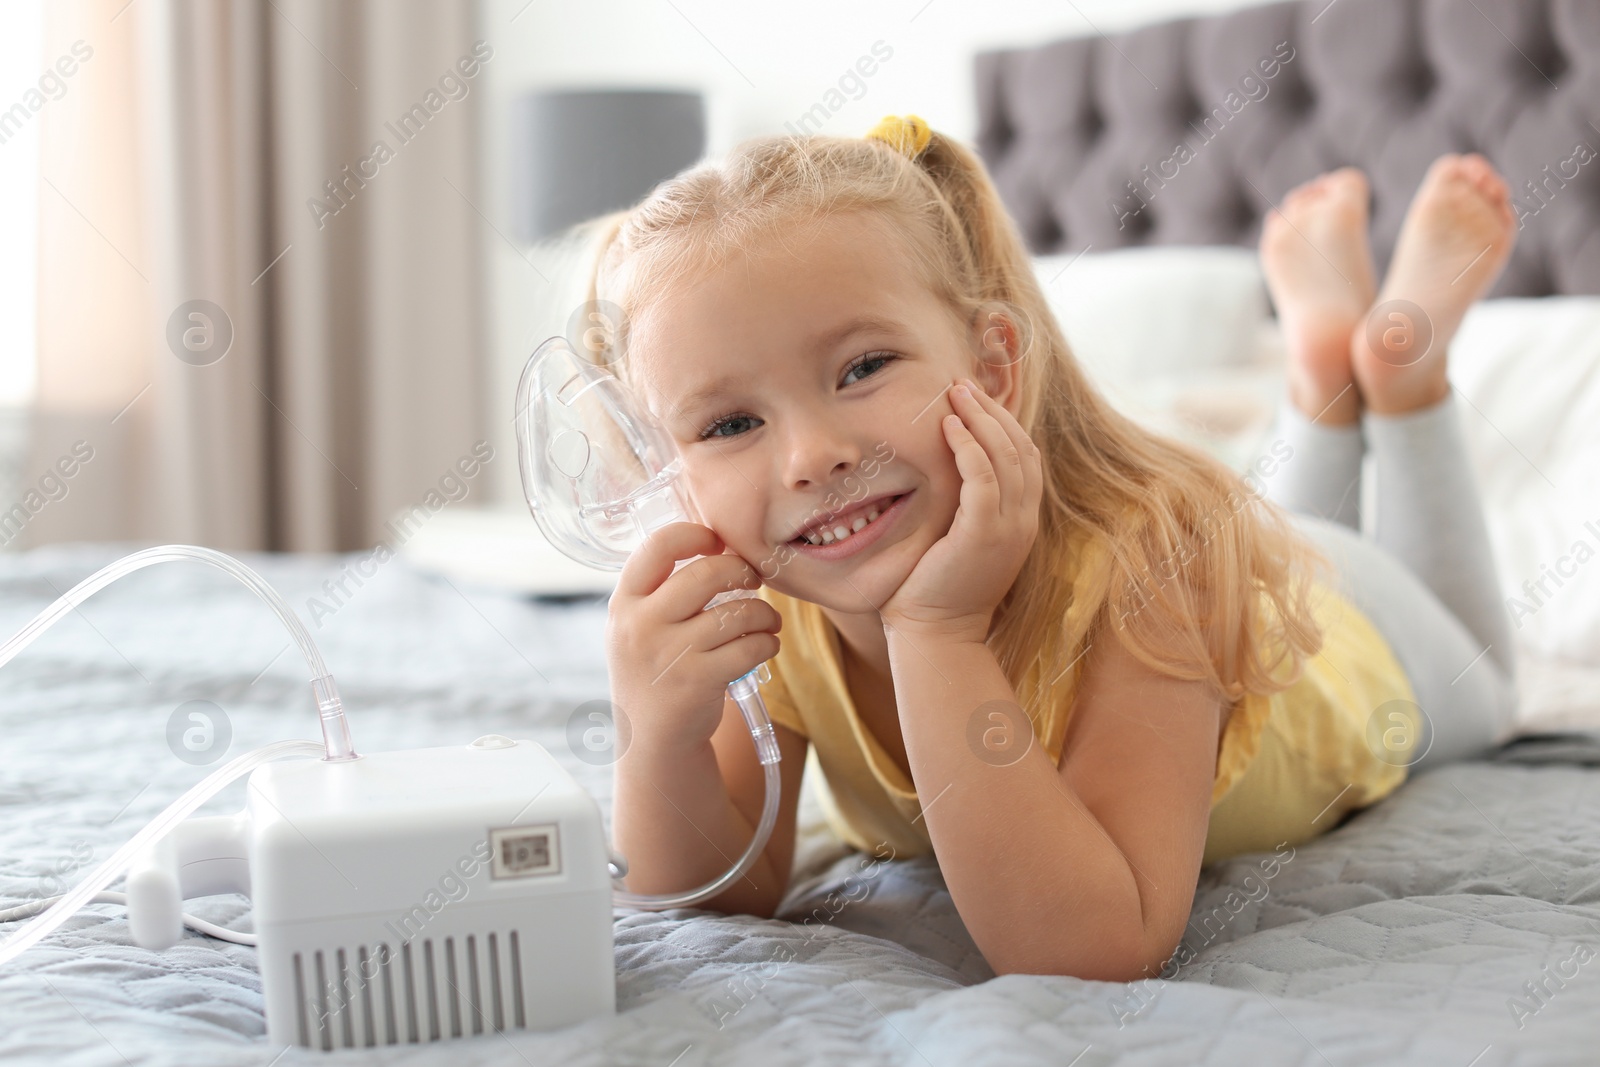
[{"x": 421, "y": 894}]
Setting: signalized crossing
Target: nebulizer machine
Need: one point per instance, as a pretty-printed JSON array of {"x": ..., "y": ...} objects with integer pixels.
[{"x": 430, "y": 893}]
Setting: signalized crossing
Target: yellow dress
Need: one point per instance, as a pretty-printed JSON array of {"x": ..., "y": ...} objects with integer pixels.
[{"x": 1289, "y": 766}]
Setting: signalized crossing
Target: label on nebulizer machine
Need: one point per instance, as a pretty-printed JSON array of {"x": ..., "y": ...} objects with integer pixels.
[{"x": 525, "y": 851}]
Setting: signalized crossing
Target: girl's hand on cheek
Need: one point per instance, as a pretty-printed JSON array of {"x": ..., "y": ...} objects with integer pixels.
[{"x": 956, "y": 586}]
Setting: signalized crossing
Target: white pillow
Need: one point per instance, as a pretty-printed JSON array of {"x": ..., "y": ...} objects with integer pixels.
[
  {"x": 1178, "y": 338},
  {"x": 1529, "y": 370},
  {"x": 1138, "y": 311}
]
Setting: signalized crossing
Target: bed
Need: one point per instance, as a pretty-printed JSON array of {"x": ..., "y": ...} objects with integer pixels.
[
  {"x": 1455, "y": 923},
  {"x": 1402, "y": 936}
]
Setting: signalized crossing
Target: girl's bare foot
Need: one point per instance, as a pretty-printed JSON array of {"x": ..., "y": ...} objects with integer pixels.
[
  {"x": 1319, "y": 269},
  {"x": 1455, "y": 240}
]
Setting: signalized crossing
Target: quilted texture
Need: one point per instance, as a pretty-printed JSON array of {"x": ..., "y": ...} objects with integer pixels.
[
  {"x": 1176, "y": 133},
  {"x": 1402, "y": 937}
]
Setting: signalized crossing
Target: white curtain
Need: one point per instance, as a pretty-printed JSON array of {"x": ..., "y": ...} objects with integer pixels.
[{"x": 300, "y": 174}]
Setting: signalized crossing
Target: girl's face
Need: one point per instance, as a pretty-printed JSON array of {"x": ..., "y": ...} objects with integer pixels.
[{"x": 804, "y": 386}]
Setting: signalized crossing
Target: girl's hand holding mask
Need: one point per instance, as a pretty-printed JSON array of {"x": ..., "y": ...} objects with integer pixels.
[
  {"x": 670, "y": 658},
  {"x": 954, "y": 589}
]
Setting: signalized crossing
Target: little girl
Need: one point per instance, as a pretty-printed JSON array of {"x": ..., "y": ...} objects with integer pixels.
[{"x": 1075, "y": 659}]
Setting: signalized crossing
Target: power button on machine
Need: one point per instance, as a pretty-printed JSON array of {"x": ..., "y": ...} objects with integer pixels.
[{"x": 493, "y": 741}]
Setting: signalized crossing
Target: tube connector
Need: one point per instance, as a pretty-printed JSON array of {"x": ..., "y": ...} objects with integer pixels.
[
  {"x": 746, "y": 692},
  {"x": 330, "y": 711},
  {"x": 749, "y": 684},
  {"x": 766, "y": 744}
]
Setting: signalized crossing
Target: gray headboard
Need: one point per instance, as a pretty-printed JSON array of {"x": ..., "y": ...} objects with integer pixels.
[{"x": 1182, "y": 132}]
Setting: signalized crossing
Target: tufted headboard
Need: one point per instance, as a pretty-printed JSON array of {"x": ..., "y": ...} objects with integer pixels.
[{"x": 1185, "y": 132}]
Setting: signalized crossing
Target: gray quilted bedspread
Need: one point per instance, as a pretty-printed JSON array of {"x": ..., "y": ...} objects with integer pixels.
[{"x": 1456, "y": 923}]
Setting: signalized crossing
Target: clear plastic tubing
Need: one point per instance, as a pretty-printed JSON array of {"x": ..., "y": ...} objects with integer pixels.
[
  {"x": 335, "y": 731},
  {"x": 746, "y": 691},
  {"x": 180, "y": 809},
  {"x": 330, "y": 709}
]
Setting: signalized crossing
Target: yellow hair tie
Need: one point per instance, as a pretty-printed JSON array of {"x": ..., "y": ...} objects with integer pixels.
[{"x": 906, "y": 134}]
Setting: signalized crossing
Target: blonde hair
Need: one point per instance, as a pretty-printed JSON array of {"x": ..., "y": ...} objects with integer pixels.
[{"x": 1150, "y": 497}]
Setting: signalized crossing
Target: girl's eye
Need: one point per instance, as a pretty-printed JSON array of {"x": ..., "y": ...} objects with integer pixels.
[
  {"x": 874, "y": 360},
  {"x": 726, "y": 420}
]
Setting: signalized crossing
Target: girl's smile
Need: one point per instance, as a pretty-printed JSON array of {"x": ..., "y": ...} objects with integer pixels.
[{"x": 855, "y": 530}]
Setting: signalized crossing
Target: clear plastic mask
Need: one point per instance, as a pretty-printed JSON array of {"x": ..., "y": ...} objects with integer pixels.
[{"x": 597, "y": 471}]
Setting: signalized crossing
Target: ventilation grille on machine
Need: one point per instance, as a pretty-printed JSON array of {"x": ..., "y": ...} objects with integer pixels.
[{"x": 421, "y": 993}]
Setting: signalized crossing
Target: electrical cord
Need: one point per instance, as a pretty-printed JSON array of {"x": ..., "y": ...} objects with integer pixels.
[{"x": 32, "y": 908}]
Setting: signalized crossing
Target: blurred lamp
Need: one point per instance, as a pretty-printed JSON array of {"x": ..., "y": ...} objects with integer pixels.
[{"x": 581, "y": 153}]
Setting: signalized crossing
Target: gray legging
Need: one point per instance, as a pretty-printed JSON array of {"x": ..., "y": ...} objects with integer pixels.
[{"x": 1426, "y": 577}]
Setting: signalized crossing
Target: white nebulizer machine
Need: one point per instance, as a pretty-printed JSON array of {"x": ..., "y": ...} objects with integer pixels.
[{"x": 418, "y": 895}]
